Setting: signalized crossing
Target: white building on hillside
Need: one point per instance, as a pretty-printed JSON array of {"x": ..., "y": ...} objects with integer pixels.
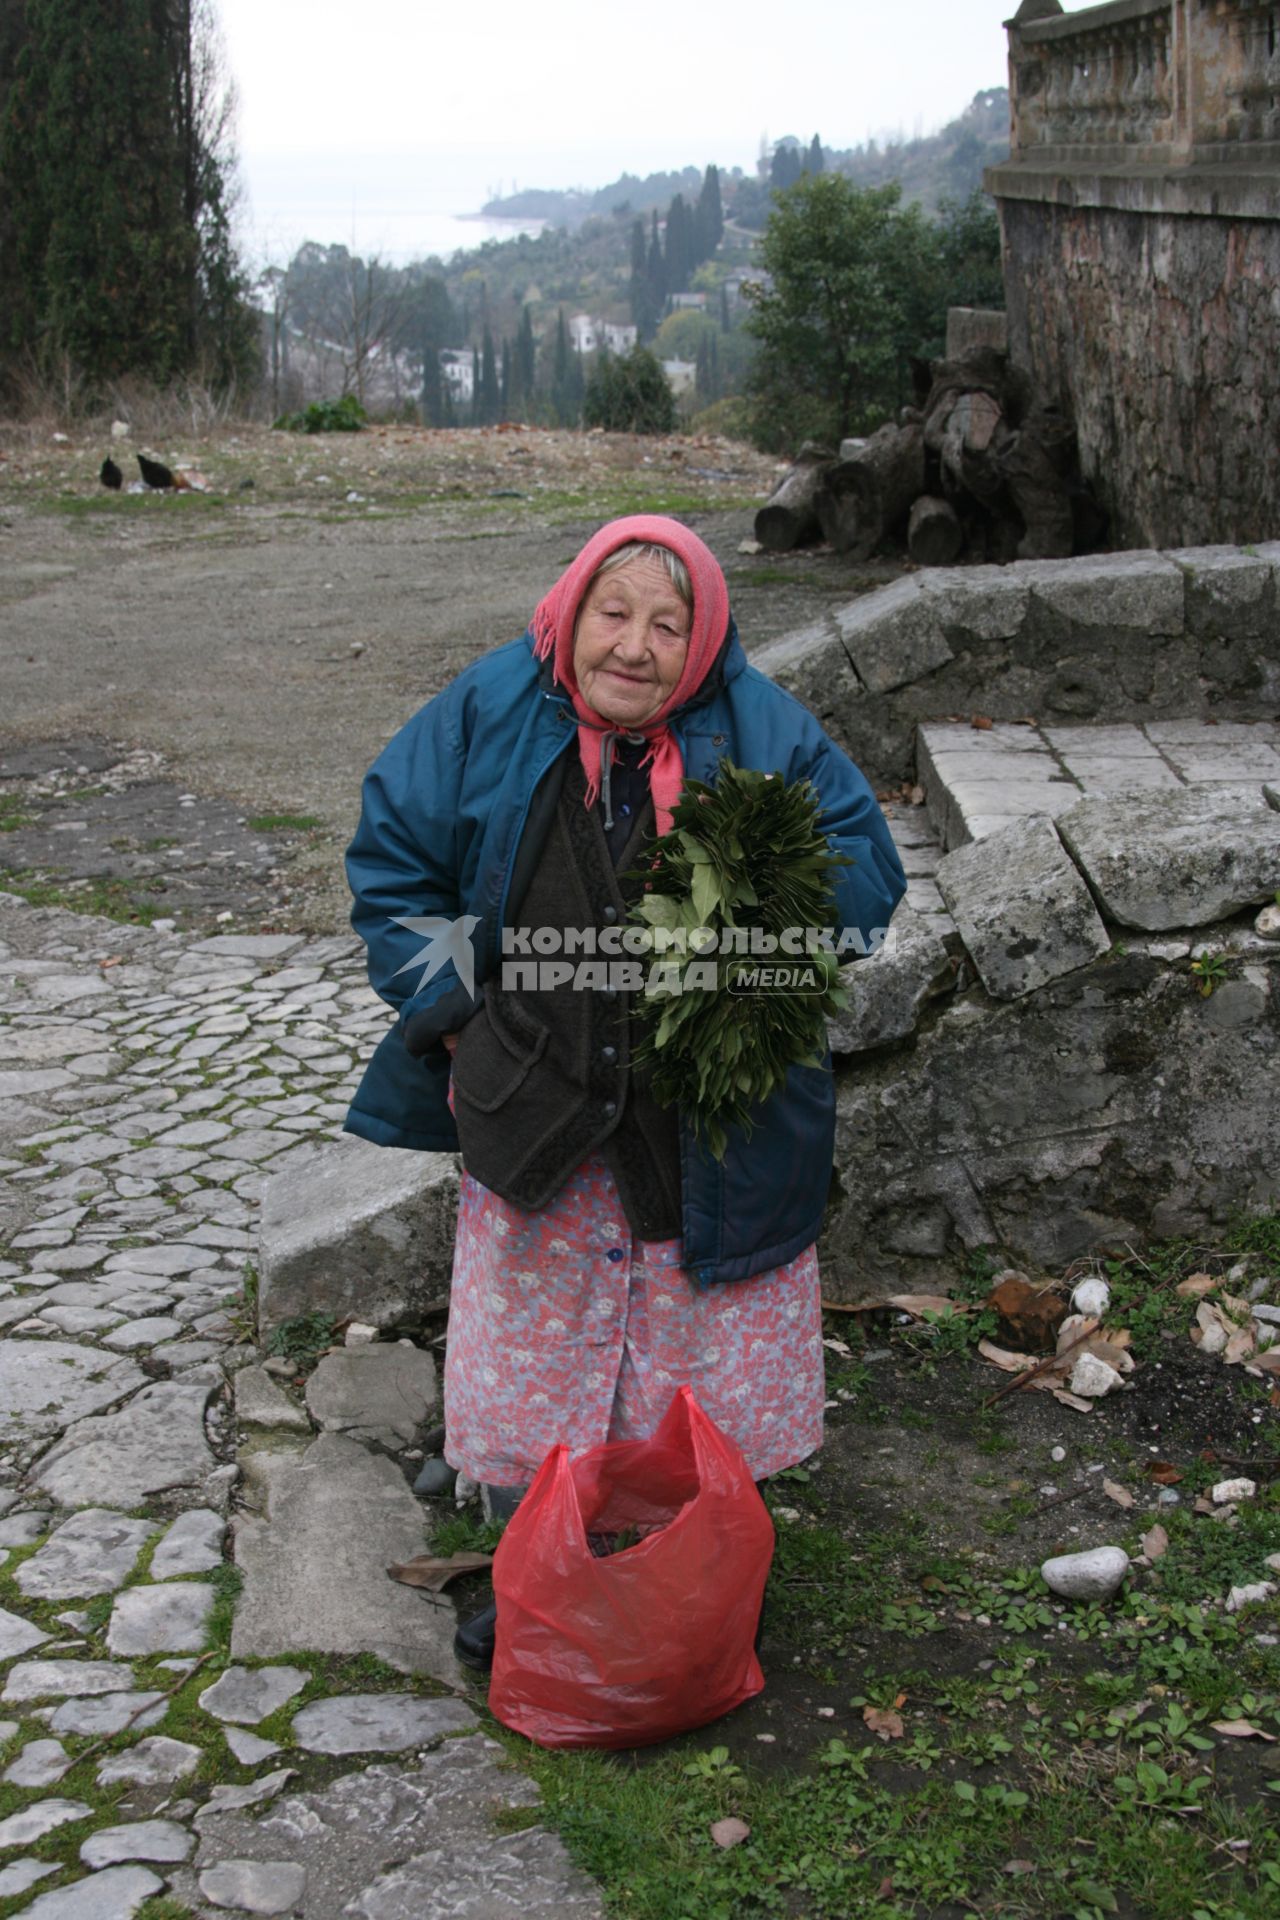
[{"x": 458, "y": 371}]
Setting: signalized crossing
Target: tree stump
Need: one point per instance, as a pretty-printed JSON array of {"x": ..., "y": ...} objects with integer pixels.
[
  {"x": 934, "y": 533},
  {"x": 863, "y": 498},
  {"x": 789, "y": 517}
]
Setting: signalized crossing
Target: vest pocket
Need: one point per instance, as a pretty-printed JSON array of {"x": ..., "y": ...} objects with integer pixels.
[{"x": 495, "y": 1053}]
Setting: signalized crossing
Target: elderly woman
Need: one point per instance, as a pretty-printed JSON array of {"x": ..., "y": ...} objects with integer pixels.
[{"x": 603, "y": 1257}]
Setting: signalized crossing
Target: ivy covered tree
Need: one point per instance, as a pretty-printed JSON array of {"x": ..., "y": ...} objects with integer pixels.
[
  {"x": 629, "y": 393},
  {"x": 832, "y": 322},
  {"x": 115, "y": 163}
]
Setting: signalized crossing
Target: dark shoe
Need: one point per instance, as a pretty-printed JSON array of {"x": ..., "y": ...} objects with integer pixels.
[{"x": 474, "y": 1641}]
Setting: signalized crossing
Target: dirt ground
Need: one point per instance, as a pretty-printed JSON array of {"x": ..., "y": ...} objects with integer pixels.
[{"x": 254, "y": 646}]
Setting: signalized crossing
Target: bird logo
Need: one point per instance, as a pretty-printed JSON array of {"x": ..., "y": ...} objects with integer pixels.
[{"x": 446, "y": 940}]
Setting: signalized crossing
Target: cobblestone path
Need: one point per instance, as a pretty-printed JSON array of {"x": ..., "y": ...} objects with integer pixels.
[{"x": 149, "y": 1085}]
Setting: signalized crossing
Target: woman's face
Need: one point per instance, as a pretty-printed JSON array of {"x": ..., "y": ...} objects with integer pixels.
[{"x": 631, "y": 642}]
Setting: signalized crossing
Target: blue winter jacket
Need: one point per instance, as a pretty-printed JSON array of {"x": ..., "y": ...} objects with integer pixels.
[{"x": 444, "y": 808}]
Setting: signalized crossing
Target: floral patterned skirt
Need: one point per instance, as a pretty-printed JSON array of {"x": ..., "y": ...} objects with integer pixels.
[{"x": 563, "y": 1328}]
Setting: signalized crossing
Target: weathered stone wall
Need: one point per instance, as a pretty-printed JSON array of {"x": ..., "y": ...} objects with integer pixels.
[
  {"x": 1136, "y": 636},
  {"x": 1141, "y": 231},
  {"x": 1113, "y": 1104},
  {"x": 1160, "y": 335}
]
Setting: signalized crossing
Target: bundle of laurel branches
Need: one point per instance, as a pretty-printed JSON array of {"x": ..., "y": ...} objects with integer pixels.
[{"x": 746, "y": 853}]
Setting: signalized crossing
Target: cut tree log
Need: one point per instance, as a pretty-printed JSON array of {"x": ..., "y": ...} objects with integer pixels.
[
  {"x": 934, "y": 533},
  {"x": 864, "y": 498},
  {"x": 789, "y": 517}
]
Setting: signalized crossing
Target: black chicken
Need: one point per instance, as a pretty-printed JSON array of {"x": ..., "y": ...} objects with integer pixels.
[
  {"x": 111, "y": 475},
  {"x": 154, "y": 474}
]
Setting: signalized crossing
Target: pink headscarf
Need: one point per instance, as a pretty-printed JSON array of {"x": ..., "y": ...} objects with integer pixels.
[{"x": 552, "y": 627}]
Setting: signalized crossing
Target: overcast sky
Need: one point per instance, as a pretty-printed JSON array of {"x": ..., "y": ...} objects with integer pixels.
[{"x": 357, "y": 112}]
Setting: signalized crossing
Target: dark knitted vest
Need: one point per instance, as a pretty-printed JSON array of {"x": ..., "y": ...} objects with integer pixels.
[{"x": 543, "y": 1077}]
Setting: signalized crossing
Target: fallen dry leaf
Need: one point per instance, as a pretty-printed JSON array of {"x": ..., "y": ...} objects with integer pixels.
[
  {"x": 1242, "y": 1730},
  {"x": 1268, "y": 1362},
  {"x": 1155, "y": 1543},
  {"x": 1121, "y": 1495},
  {"x": 1163, "y": 1472},
  {"x": 425, "y": 1570},
  {"x": 112, "y": 960},
  {"x": 1073, "y": 1400},
  {"x": 980, "y": 723},
  {"x": 1195, "y": 1283},
  {"x": 1006, "y": 1361},
  {"x": 1239, "y": 1348},
  {"x": 1203, "y": 1506},
  {"x": 1018, "y": 1866},
  {"x": 916, "y": 796},
  {"x": 884, "y": 1722},
  {"x": 918, "y": 1304},
  {"x": 730, "y": 1833}
]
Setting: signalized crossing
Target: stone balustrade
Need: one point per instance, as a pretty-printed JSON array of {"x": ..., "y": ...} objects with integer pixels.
[{"x": 1164, "y": 80}]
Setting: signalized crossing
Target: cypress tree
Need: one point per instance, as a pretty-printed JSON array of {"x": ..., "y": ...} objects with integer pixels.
[
  {"x": 504, "y": 382},
  {"x": 489, "y": 395},
  {"x": 814, "y": 161},
  {"x": 118, "y": 257},
  {"x": 679, "y": 249},
  {"x": 656, "y": 269},
  {"x": 642, "y": 313},
  {"x": 526, "y": 358},
  {"x": 709, "y": 224}
]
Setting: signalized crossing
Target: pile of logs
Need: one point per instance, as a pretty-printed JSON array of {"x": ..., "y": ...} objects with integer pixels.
[{"x": 980, "y": 470}]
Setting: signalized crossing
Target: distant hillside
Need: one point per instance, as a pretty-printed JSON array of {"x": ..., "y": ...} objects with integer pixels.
[
  {"x": 571, "y": 207},
  {"x": 945, "y": 166},
  {"x": 942, "y": 166}
]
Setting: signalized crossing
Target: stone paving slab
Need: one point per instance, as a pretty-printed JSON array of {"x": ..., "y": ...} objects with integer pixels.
[
  {"x": 1022, "y": 908},
  {"x": 315, "y": 1564},
  {"x": 380, "y": 1393},
  {"x": 155, "y": 1443},
  {"x": 1160, "y": 861},
  {"x": 411, "y": 1843}
]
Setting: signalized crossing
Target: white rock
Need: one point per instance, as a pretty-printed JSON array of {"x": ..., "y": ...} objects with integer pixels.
[
  {"x": 115, "y": 1894},
  {"x": 193, "y": 1544},
  {"x": 1094, "y": 1575},
  {"x": 40, "y": 1764},
  {"x": 57, "y": 1679},
  {"x": 138, "y": 1840},
  {"x": 21, "y": 1874},
  {"x": 247, "y": 1748},
  {"x": 17, "y": 1635},
  {"x": 1250, "y": 1596},
  {"x": 249, "y": 1694},
  {"x": 1228, "y": 1491},
  {"x": 377, "y": 1723},
  {"x": 106, "y": 1713},
  {"x": 1272, "y": 1561},
  {"x": 161, "y": 1619},
  {"x": 32, "y": 1823},
  {"x": 1058, "y": 1455},
  {"x": 153, "y": 1762},
  {"x": 254, "y": 1886},
  {"x": 359, "y": 1335},
  {"x": 1092, "y": 1377},
  {"x": 1268, "y": 923},
  {"x": 1092, "y": 1297}
]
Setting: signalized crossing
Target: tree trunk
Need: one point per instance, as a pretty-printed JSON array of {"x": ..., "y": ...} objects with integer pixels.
[
  {"x": 789, "y": 517},
  {"x": 934, "y": 533},
  {"x": 863, "y": 498}
]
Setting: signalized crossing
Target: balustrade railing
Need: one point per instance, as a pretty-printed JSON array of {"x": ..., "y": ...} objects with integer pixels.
[{"x": 1156, "y": 78}]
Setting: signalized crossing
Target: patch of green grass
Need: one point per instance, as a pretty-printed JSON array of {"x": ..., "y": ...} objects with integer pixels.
[
  {"x": 104, "y": 899},
  {"x": 284, "y": 822},
  {"x": 303, "y": 1338},
  {"x": 92, "y": 506},
  {"x": 12, "y": 817}
]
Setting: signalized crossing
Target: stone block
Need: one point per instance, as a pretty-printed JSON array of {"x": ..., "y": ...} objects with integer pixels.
[
  {"x": 812, "y": 664},
  {"x": 974, "y": 804},
  {"x": 1221, "y": 581},
  {"x": 381, "y": 1394},
  {"x": 1102, "y": 743},
  {"x": 1122, "y": 776},
  {"x": 1140, "y": 592},
  {"x": 1164, "y": 860},
  {"x": 359, "y": 1232},
  {"x": 888, "y": 989},
  {"x": 315, "y": 1565},
  {"x": 1021, "y": 908},
  {"x": 894, "y": 636}
]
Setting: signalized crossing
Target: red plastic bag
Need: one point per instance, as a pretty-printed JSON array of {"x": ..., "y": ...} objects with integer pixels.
[{"x": 650, "y": 1640}]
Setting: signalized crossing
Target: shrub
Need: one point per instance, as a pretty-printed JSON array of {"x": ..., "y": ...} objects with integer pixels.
[
  {"x": 629, "y": 394},
  {"x": 326, "y": 416}
]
